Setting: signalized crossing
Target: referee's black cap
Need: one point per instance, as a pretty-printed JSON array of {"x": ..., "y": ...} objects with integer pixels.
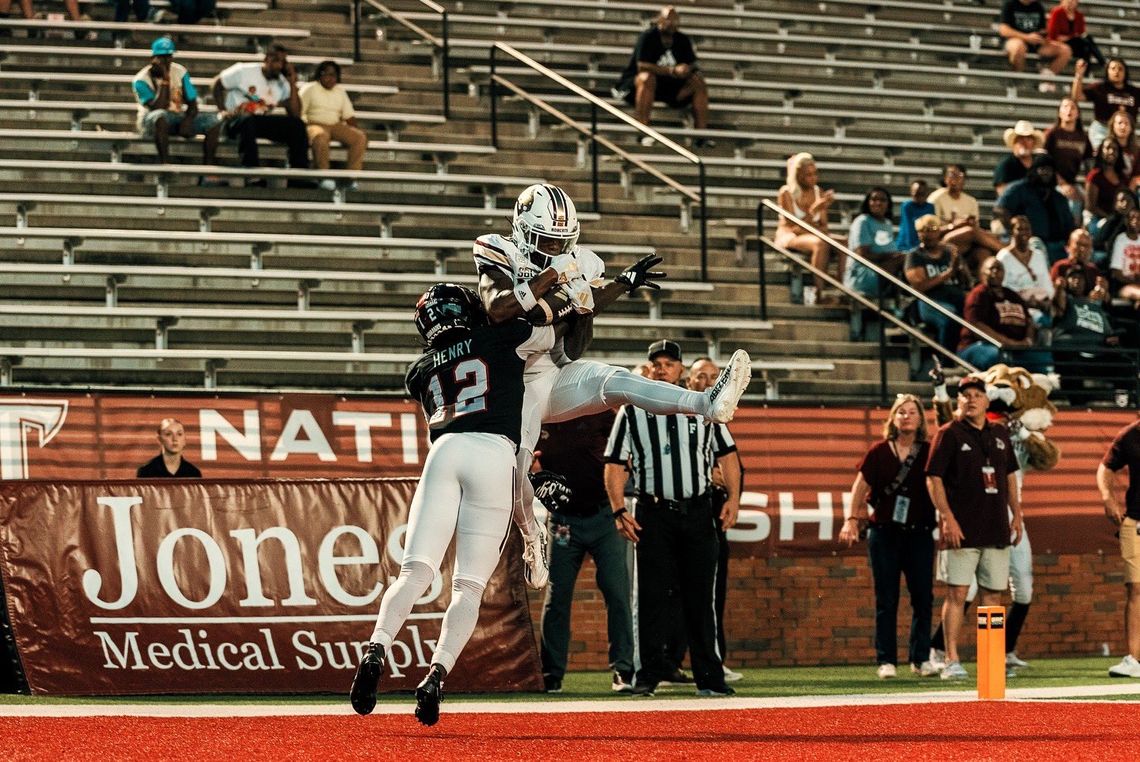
[{"x": 665, "y": 347}]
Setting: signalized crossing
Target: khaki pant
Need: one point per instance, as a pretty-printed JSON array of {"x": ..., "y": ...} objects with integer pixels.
[{"x": 356, "y": 140}]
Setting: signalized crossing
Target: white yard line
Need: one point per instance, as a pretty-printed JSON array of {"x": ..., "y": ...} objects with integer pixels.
[{"x": 1130, "y": 688}]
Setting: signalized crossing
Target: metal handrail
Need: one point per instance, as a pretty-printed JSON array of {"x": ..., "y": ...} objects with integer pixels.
[
  {"x": 443, "y": 42},
  {"x": 597, "y": 103},
  {"x": 909, "y": 330},
  {"x": 883, "y": 274}
]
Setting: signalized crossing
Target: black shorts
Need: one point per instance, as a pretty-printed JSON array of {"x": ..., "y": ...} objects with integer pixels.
[{"x": 666, "y": 92}]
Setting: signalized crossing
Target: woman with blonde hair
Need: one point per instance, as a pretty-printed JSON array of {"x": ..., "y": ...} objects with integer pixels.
[
  {"x": 900, "y": 537},
  {"x": 801, "y": 197}
]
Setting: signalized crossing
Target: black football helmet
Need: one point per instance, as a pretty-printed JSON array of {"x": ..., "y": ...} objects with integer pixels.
[{"x": 446, "y": 307}]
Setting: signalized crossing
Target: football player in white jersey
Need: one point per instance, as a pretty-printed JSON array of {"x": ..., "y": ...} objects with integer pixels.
[{"x": 541, "y": 273}]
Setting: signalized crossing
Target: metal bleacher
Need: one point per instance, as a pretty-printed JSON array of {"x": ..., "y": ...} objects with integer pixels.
[{"x": 123, "y": 271}]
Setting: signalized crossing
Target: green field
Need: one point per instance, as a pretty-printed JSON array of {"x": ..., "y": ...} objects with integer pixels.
[{"x": 768, "y": 682}]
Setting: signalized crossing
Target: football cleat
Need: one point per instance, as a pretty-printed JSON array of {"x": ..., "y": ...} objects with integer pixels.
[
  {"x": 363, "y": 692},
  {"x": 725, "y": 394},
  {"x": 429, "y": 694}
]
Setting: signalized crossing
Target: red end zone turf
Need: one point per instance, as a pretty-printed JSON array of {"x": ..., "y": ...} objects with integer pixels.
[{"x": 1042, "y": 730}]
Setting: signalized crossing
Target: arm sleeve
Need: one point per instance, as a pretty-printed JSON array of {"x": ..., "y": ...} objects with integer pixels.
[
  {"x": 643, "y": 50},
  {"x": 1011, "y": 464},
  {"x": 1007, "y": 14},
  {"x": 940, "y": 453},
  {"x": 1114, "y": 459},
  {"x": 860, "y": 232},
  {"x": 975, "y": 309},
  {"x": 1056, "y": 16},
  {"x": 346, "y": 109},
  {"x": 188, "y": 91},
  {"x": 617, "y": 446},
  {"x": 1117, "y": 261},
  {"x": 144, "y": 92},
  {"x": 723, "y": 443},
  {"x": 685, "y": 52},
  {"x": 230, "y": 77}
]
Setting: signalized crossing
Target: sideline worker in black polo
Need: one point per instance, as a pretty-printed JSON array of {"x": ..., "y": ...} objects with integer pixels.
[{"x": 674, "y": 526}]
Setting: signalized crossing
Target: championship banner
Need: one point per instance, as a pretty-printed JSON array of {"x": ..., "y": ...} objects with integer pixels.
[
  {"x": 799, "y": 461},
  {"x": 234, "y": 586}
]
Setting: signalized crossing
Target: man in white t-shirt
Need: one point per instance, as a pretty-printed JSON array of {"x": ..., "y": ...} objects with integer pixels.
[{"x": 250, "y": 93}]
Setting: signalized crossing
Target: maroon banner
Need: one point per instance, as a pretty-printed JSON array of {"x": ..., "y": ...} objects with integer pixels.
[
  {"x": 800, "y": 461},
  {"x": 233, "y": 586}
]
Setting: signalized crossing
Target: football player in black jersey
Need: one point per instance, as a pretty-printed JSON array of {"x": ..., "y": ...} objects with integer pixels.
[{"x": 470, "y": 384}]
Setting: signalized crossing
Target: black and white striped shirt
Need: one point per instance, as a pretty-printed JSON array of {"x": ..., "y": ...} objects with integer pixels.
[{"x": 672, "y": 455}]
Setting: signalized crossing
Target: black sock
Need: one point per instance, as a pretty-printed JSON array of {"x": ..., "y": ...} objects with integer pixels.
[
  {"x": 439, "y": 670},
  {"x": 1013, "y": 624}
]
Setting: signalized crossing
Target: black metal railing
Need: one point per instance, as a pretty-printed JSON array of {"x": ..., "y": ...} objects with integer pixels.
[
  {"x": 597, "y": 105},
  {"x": 442, "y": 43}
]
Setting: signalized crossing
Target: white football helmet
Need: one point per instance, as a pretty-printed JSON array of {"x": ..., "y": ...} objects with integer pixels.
[{"x": 545, "y": 224}]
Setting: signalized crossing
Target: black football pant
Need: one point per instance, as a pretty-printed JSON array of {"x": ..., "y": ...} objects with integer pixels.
[{"x": 677, "y": 551}]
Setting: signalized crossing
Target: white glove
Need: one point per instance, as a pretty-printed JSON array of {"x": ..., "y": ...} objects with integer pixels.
[
  {"x": 566, "y": 265},
  {"x": 581, "y": 295}
]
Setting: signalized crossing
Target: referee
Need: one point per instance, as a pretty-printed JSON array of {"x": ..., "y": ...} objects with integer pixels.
[{"x": 671, "y": 458}]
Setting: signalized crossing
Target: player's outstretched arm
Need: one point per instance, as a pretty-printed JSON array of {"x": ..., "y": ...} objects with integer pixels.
[{"x": 630, "y": 279}]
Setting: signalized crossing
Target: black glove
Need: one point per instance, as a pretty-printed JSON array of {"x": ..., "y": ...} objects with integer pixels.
[
  {"x": 638, "y": 274},
  {"x": 552, "y": 489}
]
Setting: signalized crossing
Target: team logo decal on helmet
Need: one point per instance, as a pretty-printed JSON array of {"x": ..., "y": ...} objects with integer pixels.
[{"x": 446, "y": 307}]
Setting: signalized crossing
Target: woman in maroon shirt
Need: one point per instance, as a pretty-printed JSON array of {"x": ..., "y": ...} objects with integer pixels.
[
  {"x": 1109, "y": 95},
  {"x": 900, "y": 539}
]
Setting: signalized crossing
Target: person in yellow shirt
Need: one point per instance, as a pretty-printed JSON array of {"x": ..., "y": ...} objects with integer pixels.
[{"x": 328, "y": 115}]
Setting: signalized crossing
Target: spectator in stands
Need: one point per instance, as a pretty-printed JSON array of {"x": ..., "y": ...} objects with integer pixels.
[
  {"x": 25, "y": 8},
  {"x": 168, "y": 104},
  {"x": 938, "y": 271},
  {"x": 169, "y": 462},
  {"x": 1080, "y": 249},
  {"x": 1104, "y": 182},
  {"x": 249, "y": 93},
  {"x": 664, "y": 68},
  {"x": 1122, "y": 129},
  {"x": 1125, "y": 262},
  {"x": 1003, "y": 315},
  {"x": 193, "y": 11},
  {"x": 802, "y": 197},
  {"x": 1022, "y": 141},
  {"x": 1067, "y": 25},
  {"x": 1111, "y": 227},
  {"x": 910, "y": 210},
  {"x": 328, "y": 112},
  {"x": 1112, "y": 93},
  {"x": 900, "y": 536},
  {"x": 872, "y": 237},
  {"x": 123, "y": 9},
  {"x": 960, "y": 215},
  {"x": 972, "y": 480},
  {"x": 1068, "y": 144},
  {"x": 1023, "y": 27},
  {"x": 1026, "y": 266},
  {"x": 1079, "y": 315},
  {"x": 1124, "y": 455},
  {"x": 1037, "y": 198}
]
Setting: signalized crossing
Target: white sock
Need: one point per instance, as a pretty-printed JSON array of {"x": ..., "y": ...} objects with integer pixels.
[
  {"x": 398, "y": 600},
  {"x": 458, "y": 622}
]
